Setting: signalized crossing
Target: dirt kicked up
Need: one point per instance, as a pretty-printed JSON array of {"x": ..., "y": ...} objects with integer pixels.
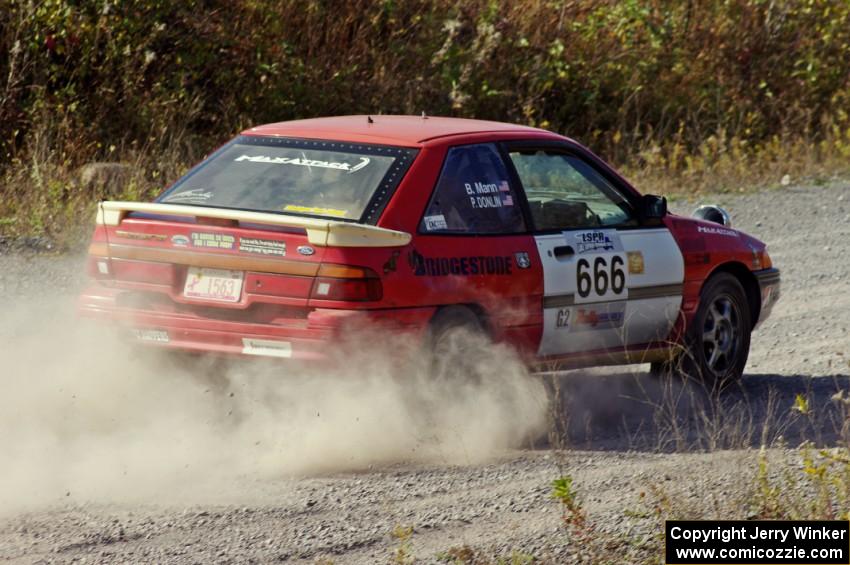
[
  {"x": 86, "y": 416},
  {"x": 111, "y": 456}
]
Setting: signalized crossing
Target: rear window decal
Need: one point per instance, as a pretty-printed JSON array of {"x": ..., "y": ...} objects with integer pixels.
[
  {"x": 194, "y": 196},
  {"x": 436, "y": 222},
  {"x": 315, "y": 210},
  {"x": 303, "y": 161}
]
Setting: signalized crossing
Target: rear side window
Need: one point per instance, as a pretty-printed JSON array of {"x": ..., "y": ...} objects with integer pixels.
[{"x": 473, "y": 195}]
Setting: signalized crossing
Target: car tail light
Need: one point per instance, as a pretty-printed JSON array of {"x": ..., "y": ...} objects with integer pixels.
[{"x": 346, "y": 283}]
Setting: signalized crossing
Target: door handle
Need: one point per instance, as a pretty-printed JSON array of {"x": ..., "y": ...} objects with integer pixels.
[{"x": 563, "y": 251}]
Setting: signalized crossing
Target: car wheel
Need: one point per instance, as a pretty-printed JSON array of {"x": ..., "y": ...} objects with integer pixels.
[
  {"x": 717, "y": 342},
  {"x": 455, "y": 336}
]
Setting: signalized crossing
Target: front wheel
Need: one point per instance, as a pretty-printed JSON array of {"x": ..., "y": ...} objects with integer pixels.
[{"x": 717, "y": 342}]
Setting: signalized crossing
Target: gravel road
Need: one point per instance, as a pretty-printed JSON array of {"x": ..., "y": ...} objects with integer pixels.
[{"x": 623, "y": 433}]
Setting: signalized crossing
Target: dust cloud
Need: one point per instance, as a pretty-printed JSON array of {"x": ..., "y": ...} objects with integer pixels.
[{"x": 88, "y": 417}]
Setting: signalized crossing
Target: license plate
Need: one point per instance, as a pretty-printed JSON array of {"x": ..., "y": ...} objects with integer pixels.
[{"x": 213, "y": 284}]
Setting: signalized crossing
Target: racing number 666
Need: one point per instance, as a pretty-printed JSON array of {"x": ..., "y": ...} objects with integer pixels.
[{"x": 607, "y": 273}]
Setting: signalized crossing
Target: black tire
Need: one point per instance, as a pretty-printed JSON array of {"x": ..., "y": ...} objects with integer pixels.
[
  {"x": 454, "y": 333},
  {"x": 717, "y": 343}
]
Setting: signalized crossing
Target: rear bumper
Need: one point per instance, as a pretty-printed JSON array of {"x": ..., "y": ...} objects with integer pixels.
[
  {"x": 769, "y": 286},
  {"x": 321, "y": 335}
]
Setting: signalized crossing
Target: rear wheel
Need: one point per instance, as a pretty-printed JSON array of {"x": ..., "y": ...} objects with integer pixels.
[
  {"x": 455, "y": 333},
  {"x": 717, "y": 342}
]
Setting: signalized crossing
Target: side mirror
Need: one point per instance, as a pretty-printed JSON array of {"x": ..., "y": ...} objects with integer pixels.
[
  {"x": 712, "y": 213},
  {"x": 653, "y": 207}
]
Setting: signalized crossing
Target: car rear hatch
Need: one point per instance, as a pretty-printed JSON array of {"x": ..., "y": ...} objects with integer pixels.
[{"x": 227, "y": 264}]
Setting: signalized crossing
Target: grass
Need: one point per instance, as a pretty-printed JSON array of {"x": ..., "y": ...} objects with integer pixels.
[{"x": 687, "y": 98}]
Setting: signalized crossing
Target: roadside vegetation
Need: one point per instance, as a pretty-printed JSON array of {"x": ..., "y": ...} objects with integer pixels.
[
  {"x": 795, "y": 466},
  {"x": 683, "y": 96}
]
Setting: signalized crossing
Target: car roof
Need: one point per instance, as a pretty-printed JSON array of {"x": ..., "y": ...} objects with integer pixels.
[{"x": 409, "y": 131}]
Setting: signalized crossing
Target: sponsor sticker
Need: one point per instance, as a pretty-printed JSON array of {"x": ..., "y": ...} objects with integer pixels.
[
  {"x": 598, "y": 318},
  {"x": 522, "y": 259},
  {"x": 141, "y": 235},
  {"x": 303, "y": 161},
  {"x": 459, "y": 266},
  {"x": 595, "y": 241},
  {"x": 194, "y": 196},
  {"x": 434, "y": 223},
  {"x": 143, "y": 334},
  {"x": 635, "y": 259},
  {"x": 717, "y": 231},
  {"x": 213, "y": 240},
  {"x": 266, "y": 347},
  {"x": 315, "y": 210},
  {"x": 262, "y": 246}
]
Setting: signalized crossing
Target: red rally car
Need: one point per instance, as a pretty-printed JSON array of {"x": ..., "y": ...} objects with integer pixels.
[{"x": 292, "y": 234}]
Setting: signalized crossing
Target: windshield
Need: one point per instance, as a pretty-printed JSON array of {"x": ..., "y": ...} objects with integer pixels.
[{"x": 313, "y": 178}]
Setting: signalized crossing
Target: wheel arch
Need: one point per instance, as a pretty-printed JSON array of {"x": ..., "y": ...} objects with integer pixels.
[
  {"x": 479, "y": 311},
  {"x": 748, "y": 280}
]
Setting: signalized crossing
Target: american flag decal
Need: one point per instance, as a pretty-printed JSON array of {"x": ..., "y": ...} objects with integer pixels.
[{"x": 503, "y": 186}]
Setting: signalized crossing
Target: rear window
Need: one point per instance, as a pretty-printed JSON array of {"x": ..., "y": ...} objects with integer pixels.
[{"x": 312, "y": 178}]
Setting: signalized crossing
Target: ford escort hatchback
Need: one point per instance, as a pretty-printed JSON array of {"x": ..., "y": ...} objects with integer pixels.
[{"x": 295, "y": 235}]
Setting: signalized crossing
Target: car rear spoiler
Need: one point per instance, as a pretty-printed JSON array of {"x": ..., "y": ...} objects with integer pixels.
[{"x": 319, "y": 231}]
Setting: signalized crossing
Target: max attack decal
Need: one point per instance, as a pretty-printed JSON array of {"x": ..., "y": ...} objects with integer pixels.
[
  {"x": 305, "y": 162},
  {"x": 262, "y": 246},
  {"x": 463, "y": 266},
  {"x": 213, "y": 240}
]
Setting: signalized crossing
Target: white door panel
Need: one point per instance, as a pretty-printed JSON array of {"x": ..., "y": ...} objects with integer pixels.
[
  {"x": 606, "y": 289},
  {"x": 608, "y": 325}
]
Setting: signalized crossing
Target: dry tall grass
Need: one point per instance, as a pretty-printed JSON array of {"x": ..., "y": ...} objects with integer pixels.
[{"x": 684, "y": 96}]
